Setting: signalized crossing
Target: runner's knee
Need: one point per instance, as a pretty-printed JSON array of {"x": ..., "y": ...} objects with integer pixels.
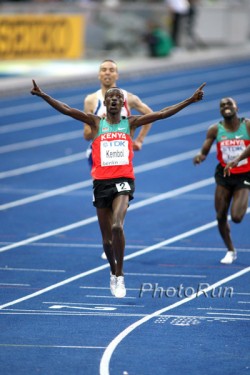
[
  {"x": 236, "y": 217},
  {"x": 117, "y": 228},
  {"x": 221, "y": 217},
  {"x": 106, "y": 242}
]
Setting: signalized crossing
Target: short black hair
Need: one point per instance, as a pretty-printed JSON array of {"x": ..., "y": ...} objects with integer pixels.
[{"x": 114, "y": 88}]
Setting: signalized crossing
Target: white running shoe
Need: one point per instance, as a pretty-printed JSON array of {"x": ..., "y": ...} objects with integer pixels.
[
  {"x": 229, "y": 257},
  {"x": 113, "y": 282},
  {"x": 120, "y": 290},
  {"x": 104, "y": 256}
]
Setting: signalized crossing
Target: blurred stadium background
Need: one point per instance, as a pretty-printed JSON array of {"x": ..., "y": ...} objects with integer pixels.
[{"x": 94, "y": 29}]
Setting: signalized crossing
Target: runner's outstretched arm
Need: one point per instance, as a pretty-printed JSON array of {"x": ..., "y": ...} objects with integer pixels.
[
  {"x": 167, "y": 111},
  {"x": 62, "y": 107}
]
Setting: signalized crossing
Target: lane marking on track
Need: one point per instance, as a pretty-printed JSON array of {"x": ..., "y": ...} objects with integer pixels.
[
  {"x": 170, "y": 160},
  {"x": 93, "y": 219},
  {"x": 61, "y": 137},
  {"x": 105, "y": 360},
  {"x": 72, "y": 312},
  {"x": 50, "y": 346},
  {"x": 164, "y": 275},
  {"x": 105, "y": 266},
  {"x": 29, "y": 269},
  {"x": 231, "y": 314},
  {"x": 41, "y": 142},
  {"x": 96, "y": 308},
  {"x": 133, "y": 247},
  {"x": 145, "y": 202},
  {"x": 43, "y": 165},
  {"x": 12, "y": 284},
  {"x": 47, "y": 194},
  {"x": 92, "y": 303},
  {"x": 161, "y": 319},
  {"x": 233, "y": 76},
  {"x": 209, "y": 309}
]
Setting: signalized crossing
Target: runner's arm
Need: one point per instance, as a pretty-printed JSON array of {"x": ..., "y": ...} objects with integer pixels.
[{"x": 210, "y": 138}]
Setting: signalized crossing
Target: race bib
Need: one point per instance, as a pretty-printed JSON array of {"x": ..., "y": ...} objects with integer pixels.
[
  {"x": 114, "y": 152},
  {"x": 229, "y": 153},
  {"x": 122, "y": 186}
]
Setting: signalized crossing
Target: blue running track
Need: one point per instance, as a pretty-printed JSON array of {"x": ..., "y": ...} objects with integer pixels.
[{"x": 184, "y": 313}]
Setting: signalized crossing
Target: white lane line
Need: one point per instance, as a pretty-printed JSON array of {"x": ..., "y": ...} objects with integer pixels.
[
  {"x": 104, "y": 364},
  {"x": 220, "y": 309},
  {"x": 33, "y": 124},
  {"x": 145, "y": 202},
  {"x": 50, "y": 233},
  {"x": 91, "y": 304},
  {"x": 78, "y": 313},
  {"x": 191, "y": 248},
  {"x": 78, "y": 133},
  {"x": 105, "y": 266},
  {"x": 29, "y": 269},
  {"x": 167, "y": 161},
  {"x": 65, "y": 189},
  {"x": 203, "y": 106},
  {"x": 84, "y": 245},
  {"x": 133, "y": 247},
  {"x": 164, "y": 275},
  {"x": 9, "y": 284},
  {"x": 35, "y": 106},
  {"x": 50, "y": 346},
  {"x": 41, "y": 141},
  {"x": 44, "y": 165},
  {"x": 209, "y": 309},
  {"x": 150, "y": 139},
  {"x": 47, "y": 194},
  {"x": 232, "y": 76},
  {"x": 227, "y": 314},
  {"x": 54, "y": 286},
  {"x": 176, "y": 133},
  {"x": 95, "y": 308}
]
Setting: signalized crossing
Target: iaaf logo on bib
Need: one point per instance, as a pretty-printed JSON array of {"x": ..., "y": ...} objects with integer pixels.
[{"x": 115, "y": 144}]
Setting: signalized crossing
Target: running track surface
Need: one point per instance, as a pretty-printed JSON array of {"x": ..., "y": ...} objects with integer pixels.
[{"x": 184, "y": 313}]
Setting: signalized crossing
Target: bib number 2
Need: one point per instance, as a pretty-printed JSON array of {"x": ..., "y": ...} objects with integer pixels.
[{"x": 123, "y": 186}]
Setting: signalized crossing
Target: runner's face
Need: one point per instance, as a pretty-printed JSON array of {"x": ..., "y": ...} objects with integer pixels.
[
  {"x": 108, "y": 74},
  {"x": 228, "y": 107},
  {"x": 114, "y": 100}
]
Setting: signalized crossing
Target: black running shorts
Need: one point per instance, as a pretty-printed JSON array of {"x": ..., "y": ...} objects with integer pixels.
[
  {"x": 104, "y": 191},
  {"x": 234, "y": 181}
]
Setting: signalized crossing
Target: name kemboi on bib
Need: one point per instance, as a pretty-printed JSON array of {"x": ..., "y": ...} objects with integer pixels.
[{"x": 114, "y": 149}]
